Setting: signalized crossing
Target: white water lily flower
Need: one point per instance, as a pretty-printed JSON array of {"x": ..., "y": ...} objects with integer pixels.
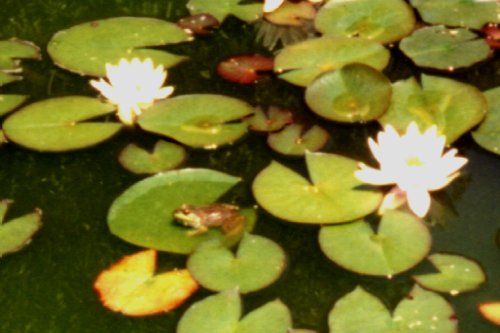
[
  {"x": 414, "y": 162},
  {"x": 272, "y": 5},
  {"x": 133, "y": 86}
]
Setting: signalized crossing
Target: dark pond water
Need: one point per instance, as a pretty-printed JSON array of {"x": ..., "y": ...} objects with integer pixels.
[{"x": 47, "y": 287}]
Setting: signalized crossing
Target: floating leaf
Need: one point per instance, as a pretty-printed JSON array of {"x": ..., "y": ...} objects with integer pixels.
[
  {"x": 453, "y": 106},
  {"x": 383, "y": 21},
  {"x": 244, "y": 69},
  {"x": 10, "y": 102},
  {"x": 273, "y": 120},
  {"x": 143, "y": 214},
  {"x": 421, "y": 312},
  {"x": 86, "y": 48},
  {"x": 292, "y": 14},
  {"x": 131, "y": 287},
  {"x": 199, "y": 120},
  {"x": 359, "y": 311},
  {"x": 165, "y": 156},
  {"x": 295, "y": 140},
  {"x": 220, "y": 9},
  {"x": 463, "y": 13},
  {"x": 446, "y": 49},
  {"x": 492, "y": 33},
  {"x": 353, "y": 93},
  {"x": 13, "y": 49},
  {"x": 401, "y": 241},
  {"x": 457, "y": 274},
  {"x": 488, "y": 133},
  {"x": 490, "y": 311},
  {"x": 17, "y": 233},
  {"x": 199, "y": 24},
  {"x": 304, "y": 61},
  {"x": 221, "y": 313},
  {"x": 60, "y": 124},
  {"x": 257, "y": 263},
  {"x": 333, "y": 195}
]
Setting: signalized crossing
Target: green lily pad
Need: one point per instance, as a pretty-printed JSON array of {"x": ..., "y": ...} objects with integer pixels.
[
  {"x": 199, "y": 120},
  {"x": 10, "y": 102},
  {"x": 457, "y": 274},
  {"x": 383, "y": 21},
  {"x": 143, "y": 214},
  {"x": 463, "y": 13},
  {"x": 295, "y": 140},
  {"x": 401, "y": 241},
  {"x": 333, "y": 195},
  {"x": 165, "y": 156},
  {"x": 353, "y": 93},
  {"x": 446, "y": 49},
  {"x": 13, "y": 49},
  {"x": 258, "y": 263},
  {"x": 220, "y": 9},
  {"x": 17, "y": 233},
  {"x": 454, "y": 107},
  {"x": 221, "y": 313},
  {"x": 292, "y": 14},
  {"x": 304, "y": 61},
  {"x": 359, "y": 311},
  {"x": 60, "y": 124},
  {"x": 420, "y": 312},
  {"x": 488, "y": 133},
  {"x": 6, "y": 78},
  {"x": 86, "y": 48},
  {"x": 273, "y": 120}
]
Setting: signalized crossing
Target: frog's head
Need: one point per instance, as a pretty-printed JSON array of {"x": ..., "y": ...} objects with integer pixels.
[{"x": 187, "y": 217}]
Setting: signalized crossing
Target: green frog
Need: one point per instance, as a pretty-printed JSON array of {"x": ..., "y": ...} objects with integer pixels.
[{"x": 217, "y": 215}]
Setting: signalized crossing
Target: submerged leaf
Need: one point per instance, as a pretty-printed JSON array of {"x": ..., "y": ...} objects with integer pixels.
[
  {"x": 165, "y": 156},
  {"x": 296, "y": 140},
  {"x": 131, "y": 286},
  {"x": 60, "y": 124},
  {"x": 257, "y": 263},
  {"x": 86, "y": 48},
  {"x": 488, "y": 133},
  {"x": 220, "y": 9},
  {"x": 198, "y": 120},
  {"x": 454, "y": 107},
  {"x": 383, "y": 21},
  {"x": 445, "y": 49},
  {"x": 401, "y": 242},
  {"x": 17, "y": 233},
  {"x": 304, "y": 61},
  {"x": 143, "y": 214},
  {"x": 332, "y": 196},
  {"x": 353, "y": 93}
]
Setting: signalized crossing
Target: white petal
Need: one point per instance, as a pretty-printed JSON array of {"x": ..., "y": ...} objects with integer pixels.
[
  {"x": 419, "y": 201},
  {"x": 164, "y": 92},
  {"x": 372, "y": 176}
]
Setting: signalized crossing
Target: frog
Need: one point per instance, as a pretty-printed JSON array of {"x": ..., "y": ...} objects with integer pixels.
[{"x": 224, "y": 216}]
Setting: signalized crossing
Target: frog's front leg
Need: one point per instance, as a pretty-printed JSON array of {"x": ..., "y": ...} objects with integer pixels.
[{"x": 199, "y": 230}]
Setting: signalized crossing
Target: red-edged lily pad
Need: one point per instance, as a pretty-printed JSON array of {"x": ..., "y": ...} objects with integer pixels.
[
  {"x": 492, "y": 32},
  {"x": 245, "y": 69},
  {"x": 199, "y": 24},
  {"x": 131, "y": 287}
]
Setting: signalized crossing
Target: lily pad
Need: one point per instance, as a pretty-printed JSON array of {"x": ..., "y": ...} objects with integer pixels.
[
  {"x": 488, "y": 133},
  {"x": 353, "y": 93},
  {"x": 274, "y": 119},
  {"x": 14, "y": 49},
  {"x": 60, "y": 124},
  {"x": 199, "y": 120},
  {"x": 86, "y": 48},
  {"x": 291, "y": 14},
  {"x": 463, "y": 13},
  {"x": 143, "y": 214},
  {"x": 456, "y": 275},
  {"x": 333, "y": 195},
  {"x": 165, "y": 156},
  {"x": 131, "y": 286},
  {"x": 454, "y": 107},
  {"x": 220, "y": 9},
  {"x": 304, "y": 61},
  {"x": 257, "y": 263},
  {"x": 446, "y": 49},
  {"x": 295, "y": 140},
  {"x": 401, "y": 241},
  {"x": 17, "y": 233},
  {"x": 490, "y": 311},
  {"x": 221, "y": 313},
  {"x": 10, "y": 102},
  {"x": 421, "y": 312},
  {"x": 383, "y": 21}
]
